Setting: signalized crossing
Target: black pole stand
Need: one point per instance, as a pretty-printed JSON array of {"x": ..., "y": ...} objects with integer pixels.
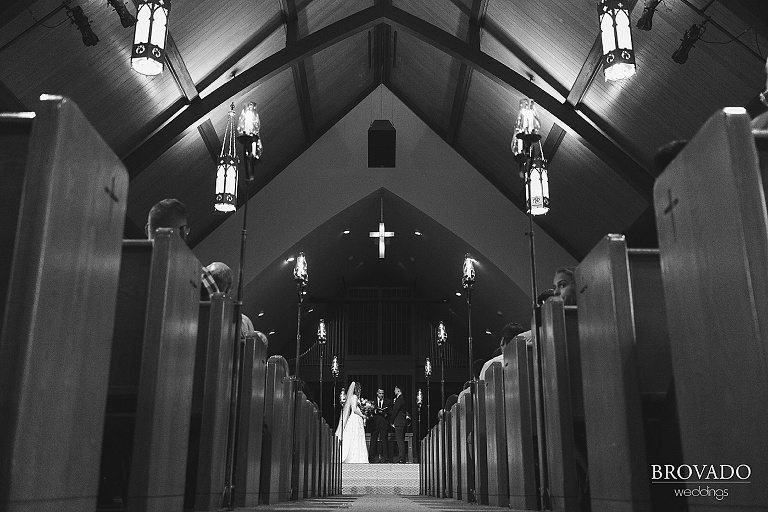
[
  {"x": 251, "y": 159},
  {"x": 526, "y": 164},
  {"x": 302, "y": 292}
]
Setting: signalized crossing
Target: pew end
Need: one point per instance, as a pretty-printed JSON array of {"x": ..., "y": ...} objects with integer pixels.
[
  {"x": 713, "y": 241},
  {"x": 59, "y": 264}
]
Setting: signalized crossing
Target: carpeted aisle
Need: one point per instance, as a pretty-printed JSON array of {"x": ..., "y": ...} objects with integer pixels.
[{"x": 371, "y": 503}]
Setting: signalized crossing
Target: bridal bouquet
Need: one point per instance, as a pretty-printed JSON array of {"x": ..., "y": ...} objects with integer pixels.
[{"x": 366, "y": 406}]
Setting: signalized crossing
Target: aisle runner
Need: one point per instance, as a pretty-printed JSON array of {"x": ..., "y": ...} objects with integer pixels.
[{"x": 380, "y": 479}]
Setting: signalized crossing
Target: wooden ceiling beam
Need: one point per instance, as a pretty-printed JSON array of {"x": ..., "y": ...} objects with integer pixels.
[
  {"x": 517, "y": 200},
  {"x": 179, "y": 71},
  {"x": 566, "y": 114},
  {"x": 598, "y": 140},
  {"x": 211, "y": 139},
  {"x": 291, "y": 23},
  {"x": 552, "y": 143},
  {"x": 474, "y": 34},
  {"x": 193, "y": 115},
  {"x": 263, "y": 181}
]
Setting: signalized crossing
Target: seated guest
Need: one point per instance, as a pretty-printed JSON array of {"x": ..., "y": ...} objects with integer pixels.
[
  {"x": 223, "y": 276},
  {"x": 761, "y": 122},
  {"x": 642, "y": 232},
  {"x": 172, "y": 213},
  {"x": 507, "y": 334},
  {"x": 451, "y": 401},
  {"x": 565, "y": 285}
]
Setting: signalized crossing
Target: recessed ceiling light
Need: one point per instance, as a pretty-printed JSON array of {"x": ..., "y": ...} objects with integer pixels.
[
  {"x": 488, "y": 331},
  {"x": 310, "y": 310},
  {"x": 261, "y": 313},
  {"x": 290, "y": 259},
  {"x": 271, "y": 333},
  {"x": 417, "y": 233},
  {"x": 346, "y": 231},
  {"x": 458, "y": 294}
]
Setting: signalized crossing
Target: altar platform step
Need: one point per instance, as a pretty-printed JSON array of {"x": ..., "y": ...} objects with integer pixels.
[{"x": 402, "y": 479}]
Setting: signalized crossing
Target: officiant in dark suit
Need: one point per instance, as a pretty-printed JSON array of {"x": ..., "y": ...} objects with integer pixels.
[{"x": 380, "y": 428}]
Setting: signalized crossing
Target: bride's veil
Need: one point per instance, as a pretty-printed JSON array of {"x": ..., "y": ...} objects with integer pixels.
[{"x": 346, "y": 410}]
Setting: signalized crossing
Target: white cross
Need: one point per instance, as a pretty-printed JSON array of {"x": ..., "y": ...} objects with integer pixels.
[{"x": 381, "y": 234}]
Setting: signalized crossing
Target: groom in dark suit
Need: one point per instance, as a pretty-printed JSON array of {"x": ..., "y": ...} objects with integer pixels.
[
  {"x": 399, "y": 419},
  {"x": 380, "y": 427}
]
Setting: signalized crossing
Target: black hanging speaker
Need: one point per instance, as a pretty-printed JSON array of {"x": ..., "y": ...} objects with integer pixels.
[{"x": 382, "y": 138}]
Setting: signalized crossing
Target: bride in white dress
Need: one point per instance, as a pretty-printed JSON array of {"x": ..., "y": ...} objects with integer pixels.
[{"x": 351, "y": 429}]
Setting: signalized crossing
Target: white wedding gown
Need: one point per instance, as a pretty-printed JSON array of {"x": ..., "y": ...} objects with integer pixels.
[{"x": 353, "y": 447}]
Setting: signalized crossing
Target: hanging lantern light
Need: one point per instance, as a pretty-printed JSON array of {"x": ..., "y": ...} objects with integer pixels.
[
  {"x": 616, "y": 34},
  {"x": 419, "y": 398},
  {"x": 427, "y": 368},
  {"x": 149, "y": 37},
  {"x": 537, "y": 191},
  {"x": 442, "y": 336},
  {"x": 300, "y": 270},
  {"x": 468, "y": 278},
  {"x": 321, "y": 336},
  {"x": 226, "y": 170},
  {"x": 248, "y": 128},
  {"x": 335, "y": 368},
  {"x": 527, "y": 128}
]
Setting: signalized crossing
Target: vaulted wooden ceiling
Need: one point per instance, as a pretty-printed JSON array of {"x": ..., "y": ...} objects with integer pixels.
[{"x": 461, "y": 66}]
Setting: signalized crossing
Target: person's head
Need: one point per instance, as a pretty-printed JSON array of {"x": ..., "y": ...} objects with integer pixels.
[
  {"x": 666, "y": 153},
  {"x": 477, "y": 366},
  {"x": 380, "y": 393},
  {"x": 509, "y": 332},
  {"x": 222, "y": 274},
  {"x": 397, "y": 391},
  {"x": 357, "y": 388},
  {"x": 763, "y": 95},
  {"x": 168, "y": 213},
  {"x": 565, "y": 285},
  {"x": 450, "y": 401}
]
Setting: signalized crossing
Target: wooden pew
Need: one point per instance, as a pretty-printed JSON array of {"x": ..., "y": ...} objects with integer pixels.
[
  {"x": 713, "y": 241},
  {"x": 251, "y": 422},
  {"x": 441, "y": 452},
  {"x": 207, "y": 454},
  {"x": 277, "y": 413},
  {"x": 481, "y": 444},
  {"x": 467, "y": 470},
  {"x": 428, "y": 464},
  {"x": 456, "y": 454},
  {"x": 448, "y": 453},
  {"x": 304, "y": 426},
  {"x": 563, "y": 401},
  {"x": 151, "y": 374},
  {"x": 59, "y": 262},
  {"x": 520, "y": 425},
  {"x": 496, "y": 436},
  {"x": 436, "y": 460},
  {"x": 422, "y": 469},
  {"x": 627, "y": 376}
]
